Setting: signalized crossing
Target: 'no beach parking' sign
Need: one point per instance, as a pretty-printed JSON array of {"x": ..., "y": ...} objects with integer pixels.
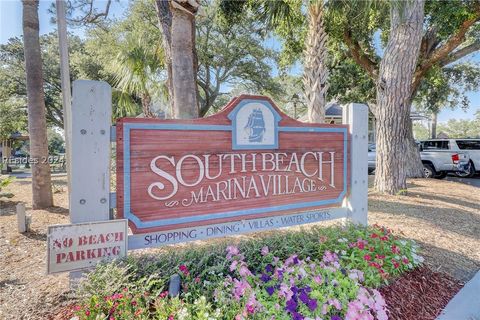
[
  {"x": 80, "y": 246},
  {"x": 248, "y": 167}
]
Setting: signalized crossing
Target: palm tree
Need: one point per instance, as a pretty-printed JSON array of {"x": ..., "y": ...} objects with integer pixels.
[
  {"x": 282, "y": 15},
  {"x": 37, "y": 124},
  {"x": 136, "y": 69},
  {"x": 315, "y": 71}
]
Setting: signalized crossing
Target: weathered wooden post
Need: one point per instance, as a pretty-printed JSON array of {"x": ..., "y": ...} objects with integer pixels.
[
  {"x": 21, "y": 218},
  {"x": 89, "y": 197},
  {"x": 89, "y": 141},
  {"x": 356, "y": 116}
]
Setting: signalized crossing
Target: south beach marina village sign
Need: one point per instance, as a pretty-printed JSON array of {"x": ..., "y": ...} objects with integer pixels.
[{"x": 248, "y": 168}]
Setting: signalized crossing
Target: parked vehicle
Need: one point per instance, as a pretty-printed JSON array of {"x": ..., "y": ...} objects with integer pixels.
[
  {"x": 436, "y": 163},
  {"x": 468, "y": 146}
]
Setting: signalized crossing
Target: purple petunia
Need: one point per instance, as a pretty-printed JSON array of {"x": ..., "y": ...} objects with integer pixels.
[
  {"x": 297, "y": 316},
  {"x": 269, "y": 268},
  {"x": 265, "y": 277},
  {"x": 312, "y": 304},
  {"x": 270, "y": 290},
  {"x": 335, "y": 317},
  {"x": 303, "y": 296},
  {"x": 291, "y": 306}
]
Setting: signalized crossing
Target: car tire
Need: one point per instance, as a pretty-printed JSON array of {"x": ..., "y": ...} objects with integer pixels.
[
  {"x": 441, "y": 175},
  {"x": 468, "y": 174},
  {"x": 428, "y": 171}
]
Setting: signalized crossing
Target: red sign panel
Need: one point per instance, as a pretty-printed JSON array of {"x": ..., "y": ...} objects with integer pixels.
[{"x": 248, "y": 161}]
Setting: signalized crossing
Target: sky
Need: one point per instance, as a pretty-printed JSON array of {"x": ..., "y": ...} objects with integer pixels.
[{"x": 11, "y": 26}]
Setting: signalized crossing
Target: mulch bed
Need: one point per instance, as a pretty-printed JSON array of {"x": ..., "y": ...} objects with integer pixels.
[{"x": 420, "y": 294}]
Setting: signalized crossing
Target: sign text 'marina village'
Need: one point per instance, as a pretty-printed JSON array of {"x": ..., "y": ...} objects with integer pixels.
[
  {"x": 270, "y": 177},
  {"x": 249, "y": 162}
]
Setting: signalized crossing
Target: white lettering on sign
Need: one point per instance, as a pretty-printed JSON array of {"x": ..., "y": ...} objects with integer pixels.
[
  {"x": 211, "y": 167},
  {"x": 80, "y": 246}
]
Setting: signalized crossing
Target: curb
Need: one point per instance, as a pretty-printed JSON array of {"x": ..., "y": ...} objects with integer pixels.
[{"x": 465, "y": 305}]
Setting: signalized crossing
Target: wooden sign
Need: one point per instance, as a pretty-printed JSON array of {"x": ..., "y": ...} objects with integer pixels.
[
  {"x": 249, "y": 161},
  {"x": 81, "y": 246}
]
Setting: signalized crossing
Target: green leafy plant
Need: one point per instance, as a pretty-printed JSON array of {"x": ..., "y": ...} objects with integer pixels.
[
  {"x": 4, "y": 182},
  {"x": 351, "y": 261}
]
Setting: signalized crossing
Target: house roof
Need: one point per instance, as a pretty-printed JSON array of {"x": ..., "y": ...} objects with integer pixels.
[{"x": 333, "y": 109}]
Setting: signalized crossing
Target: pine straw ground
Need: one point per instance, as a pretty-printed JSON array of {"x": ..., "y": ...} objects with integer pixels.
[{"x": 443, "y": 216}]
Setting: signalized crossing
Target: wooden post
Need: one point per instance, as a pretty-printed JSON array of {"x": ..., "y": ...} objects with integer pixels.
[
  {"x": 21, "y": 218},
  {"x": 89, "y": 159},
  {"x": 89, "y": 195},
  {"x": 356, "y": 115}
]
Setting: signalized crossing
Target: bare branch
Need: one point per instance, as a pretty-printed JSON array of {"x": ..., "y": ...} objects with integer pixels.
[
  {"x": 357, "y": 54},
  {"x": 465, "y": 51},
  {"x": 442, "y": 52},
  {"x": 91, "y": 16}
]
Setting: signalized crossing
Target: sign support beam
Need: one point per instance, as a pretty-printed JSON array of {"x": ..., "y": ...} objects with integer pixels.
[{"x": 356, "y": 116}]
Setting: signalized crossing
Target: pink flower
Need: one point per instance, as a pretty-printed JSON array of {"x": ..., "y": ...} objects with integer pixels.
[
  {"x": 234, "y": 264},
  {"x": 265, "y": 251},
  {"x": 335, "y": 303},
  {"x": 367, "y": 257},
  {"x": 239, "y": 288},
  {"x": 405, "y": 260},
  {"x": 329, "y": 257},
  {"x": 183, "y": 268},
  {"x": 163, "y": 294},
  {"x": 232, "y": 251},
  {"x": 87, "y": 312},
  {"x": 244, "y": 272},
  {"x": 395, "y": 249}
]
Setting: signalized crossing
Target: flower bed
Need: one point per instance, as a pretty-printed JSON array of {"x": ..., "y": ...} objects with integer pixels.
[{"x": 323, "y": 273}]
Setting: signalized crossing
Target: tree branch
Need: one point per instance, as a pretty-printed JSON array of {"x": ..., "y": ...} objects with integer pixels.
[
  {"x": 91, "y": 16},
  {"x": 357, "y": 54},
  {"x": 465, "y": 51},
  {"x": 441, "y": 53}
]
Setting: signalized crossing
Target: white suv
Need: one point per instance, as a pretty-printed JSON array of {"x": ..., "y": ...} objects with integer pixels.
[{"x": 468, "y": 146}]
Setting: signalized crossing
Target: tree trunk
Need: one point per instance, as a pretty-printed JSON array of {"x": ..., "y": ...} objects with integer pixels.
[
  {"x": 413, "y": 165},
  {"x": 393, "y": 95},
  {"x": 165, "y": 21},
  {"x": 315, "y": 67},
  {"x": 37, "y": 125},
  {"x": 147, "y": 110},
  {"x": 185, "y": 105},
  {"x": 434, "y": 125}
]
